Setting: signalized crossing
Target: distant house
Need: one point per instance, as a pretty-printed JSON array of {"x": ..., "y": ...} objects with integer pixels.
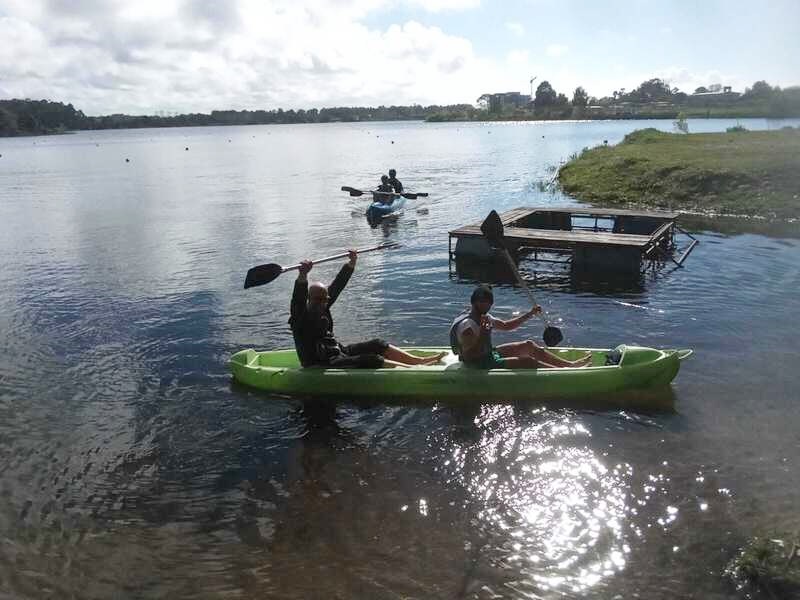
[
  {"x": 726, "y": 96},
  {"x": 498, "y": 102}
]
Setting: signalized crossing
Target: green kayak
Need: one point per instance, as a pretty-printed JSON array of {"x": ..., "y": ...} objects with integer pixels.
[{"x": 623, "y": 368}]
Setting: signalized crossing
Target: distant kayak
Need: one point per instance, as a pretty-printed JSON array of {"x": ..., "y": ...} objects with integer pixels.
[
  {"x": 628, "y": 368},
  {"x": 377, "y": 211}
]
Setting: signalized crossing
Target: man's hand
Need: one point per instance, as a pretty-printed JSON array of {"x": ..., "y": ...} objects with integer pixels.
[
  {"x": 536, "y": 310},
  {"x": 353, "y": 256},
  {"x": 305, "y": 267}
]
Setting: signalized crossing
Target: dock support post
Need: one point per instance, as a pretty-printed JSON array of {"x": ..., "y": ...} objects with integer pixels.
[{"x": 687, "y": 251}]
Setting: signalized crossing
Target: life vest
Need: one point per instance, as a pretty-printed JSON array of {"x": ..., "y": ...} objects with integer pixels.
[{"x": 486, "y": 350}]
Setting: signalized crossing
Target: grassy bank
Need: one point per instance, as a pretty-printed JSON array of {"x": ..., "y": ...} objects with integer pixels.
[
  {"x": 744, "y": 173},
  {"x": 769, "y": 564}
]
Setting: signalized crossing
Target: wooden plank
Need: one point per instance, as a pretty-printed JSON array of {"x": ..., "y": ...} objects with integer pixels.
[
  {"x": 515, "y": 214},
  {"x": 608, "y": 212},
  {"x": 686, "y": 253},
  {"x": 521, "y": 212},
  {"x": 659, "y": 233},
  {"x": 526, "y": 236}
]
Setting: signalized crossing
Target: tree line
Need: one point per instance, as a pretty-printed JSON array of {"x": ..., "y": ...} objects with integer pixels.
[
  {"x": 652, "y": 98},
  {"x": 31, "y": 117},
  {"x": 655, "y": 97}
]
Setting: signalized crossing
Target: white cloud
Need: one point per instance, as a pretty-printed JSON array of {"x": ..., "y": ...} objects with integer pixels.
[
  {"x": 518, "y": 57},
  {"x": 443, "y": 5},
  {"x": 516, "y": 28},
  {"x": 556, "y": 50},
  {"x": 191, "y": 55}
]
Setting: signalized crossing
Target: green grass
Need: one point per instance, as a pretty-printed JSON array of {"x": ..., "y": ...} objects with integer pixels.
[
  {"x": 770, "y": 564},
  {"x": 741, "y": 173}
]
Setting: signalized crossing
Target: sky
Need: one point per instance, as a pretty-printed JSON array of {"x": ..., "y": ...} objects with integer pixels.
[{"x": 178, "y": 56}]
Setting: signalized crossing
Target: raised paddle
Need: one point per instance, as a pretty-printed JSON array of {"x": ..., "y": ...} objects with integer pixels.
[
  {"x": 265, "y": 273},
  {"x": 407, "y": 195},
  {"x": 492, "y": 229}
]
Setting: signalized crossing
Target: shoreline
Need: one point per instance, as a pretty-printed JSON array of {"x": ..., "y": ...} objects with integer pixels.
[
  {"x": 420, "y": 120},
  {"x": 740, "y": 174}
]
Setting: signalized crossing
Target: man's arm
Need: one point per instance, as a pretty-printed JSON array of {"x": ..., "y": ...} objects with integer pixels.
[
  {"x": 300, "y": 292},
  {"x": 512, "y": 324},
  {"x": 471, "y": 341},
  {"x": 342, "y": 278}
]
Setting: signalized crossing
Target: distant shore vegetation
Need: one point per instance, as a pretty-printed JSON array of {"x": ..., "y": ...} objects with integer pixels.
[
  {"x": 37, "y": 117},
  {"x": 652, "y": 99}
]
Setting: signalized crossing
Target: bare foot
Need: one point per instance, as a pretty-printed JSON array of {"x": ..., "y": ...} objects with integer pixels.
[{"x": 435, "y": 359}]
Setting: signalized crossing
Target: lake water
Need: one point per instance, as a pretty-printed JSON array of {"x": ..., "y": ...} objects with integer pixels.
[{"x": 131, "y": 466}]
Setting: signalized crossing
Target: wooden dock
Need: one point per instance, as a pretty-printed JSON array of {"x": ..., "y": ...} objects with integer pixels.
[{"x": 614, "y": 239}]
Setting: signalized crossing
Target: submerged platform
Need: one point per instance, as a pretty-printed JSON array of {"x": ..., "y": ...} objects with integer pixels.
[{"x": 612, "y": 239}]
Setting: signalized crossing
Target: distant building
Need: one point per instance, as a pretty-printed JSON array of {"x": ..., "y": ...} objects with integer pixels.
[
  {"x": 726, "y": 96},
  {"x": 497, "y": 102}
]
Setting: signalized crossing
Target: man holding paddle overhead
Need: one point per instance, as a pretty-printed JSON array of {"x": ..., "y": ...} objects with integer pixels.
[
  {"x": 312, "y": 327},
  {"x": 471, "y": 339}
]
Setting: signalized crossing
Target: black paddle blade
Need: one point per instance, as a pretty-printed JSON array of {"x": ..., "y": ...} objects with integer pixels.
[
  {"x": 552, "y": 336},
  {"x": 492, "y": 229},
  {"x": 262, "y": 274},
  {"x": 352, "y": 191}
]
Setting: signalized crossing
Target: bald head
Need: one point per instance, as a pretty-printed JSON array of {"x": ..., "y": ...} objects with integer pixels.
[{"x": 317, "y": 293}]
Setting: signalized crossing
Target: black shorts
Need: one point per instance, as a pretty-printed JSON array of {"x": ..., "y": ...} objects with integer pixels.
[{"x": 363, "y": 355}]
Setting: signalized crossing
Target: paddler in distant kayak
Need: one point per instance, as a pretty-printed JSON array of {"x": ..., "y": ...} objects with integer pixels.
[
  {"x": 312, "y": 328},
  {"x": 395, "y": 182},
  {"x": 384, "y": 191},
  {"x": 471, "y": 339}
]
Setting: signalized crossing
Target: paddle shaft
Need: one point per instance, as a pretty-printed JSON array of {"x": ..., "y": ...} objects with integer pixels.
[
  {"x": 523, "y": 283},
  {"x": 342, "y": 255},
  {"x": 407, "y": 195}
]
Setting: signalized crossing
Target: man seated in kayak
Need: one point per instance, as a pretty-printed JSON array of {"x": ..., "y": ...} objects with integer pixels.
[
  {"x": 312, "y": 328},
  {"x": 384, "y": 192},
  {"x": 395, "y": 182},
  {"x": 471, "y": 339}
]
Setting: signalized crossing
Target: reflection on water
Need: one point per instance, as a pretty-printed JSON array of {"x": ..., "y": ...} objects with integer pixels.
[
  {"x": 553, "y": 514},
  {"x": 562, "y": 276},
  {"x": 130, "y": 466}
]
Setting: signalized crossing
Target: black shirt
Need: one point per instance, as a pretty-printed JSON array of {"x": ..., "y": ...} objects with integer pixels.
[
  {"x": 395, "y": 183},
  {"x": 313, "y": 330}
]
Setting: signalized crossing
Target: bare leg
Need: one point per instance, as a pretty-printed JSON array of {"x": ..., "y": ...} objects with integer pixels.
[
  {"x": 521, "y": 362},
  {"x": 526, "y": 362},
  {"x": 542, "y": 356},
  {"x": 395, "y": 354},
  {"x": 394, "y": 364}
]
